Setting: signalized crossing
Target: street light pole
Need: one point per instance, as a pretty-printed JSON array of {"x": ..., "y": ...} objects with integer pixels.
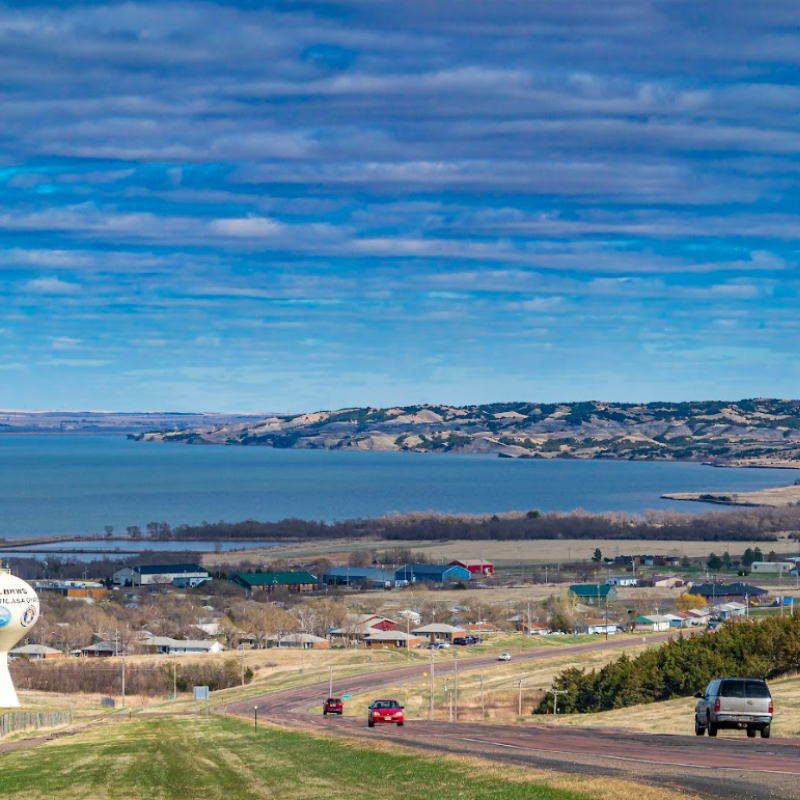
[
  {"x": 483, "y": 708},
  {"x": 330, "y": 684},
  {"x": 519, "y": 710},
  {"x": 255, "y": 718}
]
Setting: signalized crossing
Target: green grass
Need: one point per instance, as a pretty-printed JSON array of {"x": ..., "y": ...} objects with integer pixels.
[{"x": 171, "y": 758}]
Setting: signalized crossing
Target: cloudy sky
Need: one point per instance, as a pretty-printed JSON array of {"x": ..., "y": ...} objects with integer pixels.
[{"x": 296, "y": 205}]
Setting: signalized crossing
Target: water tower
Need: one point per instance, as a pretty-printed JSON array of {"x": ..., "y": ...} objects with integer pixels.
[{"x": 19, "y": 610}]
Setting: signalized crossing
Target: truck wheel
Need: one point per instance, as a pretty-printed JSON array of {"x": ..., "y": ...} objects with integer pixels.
[
  {"x": 712, "y": 728},
  {"x": 699, "y": 730},
  {"x": 751, "y": 733},
  {"x": 765, "y": 732}
]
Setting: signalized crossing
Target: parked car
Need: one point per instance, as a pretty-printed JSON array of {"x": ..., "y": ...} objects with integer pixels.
[
  {"x": 333, "y": 705},
  {"x": 743, "y": 703},
  {"x": 504, "y": 657},
  {"x": 385, "y": 711}
]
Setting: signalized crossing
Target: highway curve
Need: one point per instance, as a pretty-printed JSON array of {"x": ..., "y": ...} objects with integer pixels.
[{"x": 734, "y": 768}]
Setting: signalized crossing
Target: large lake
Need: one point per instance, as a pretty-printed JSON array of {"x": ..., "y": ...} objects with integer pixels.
[{"x": 51, "y": 485}]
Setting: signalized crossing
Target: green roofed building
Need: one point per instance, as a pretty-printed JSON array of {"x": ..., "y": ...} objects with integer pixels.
[
  {"x": 590, "y": 593},
  {"x": 270, "y": 581}
]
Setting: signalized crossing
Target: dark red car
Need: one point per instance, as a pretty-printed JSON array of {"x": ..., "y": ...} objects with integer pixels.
[
  {"x": 385, "y": 711},
  {"x": 333, "y": 705}
]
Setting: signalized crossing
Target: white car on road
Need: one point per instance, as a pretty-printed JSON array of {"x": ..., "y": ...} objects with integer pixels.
[{"x": 504, "y": 657}]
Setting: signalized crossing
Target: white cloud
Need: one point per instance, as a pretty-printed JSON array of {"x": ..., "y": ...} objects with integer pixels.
[
  {"x": 246, "y": 227},
  {"x": 51, "y": 286}
]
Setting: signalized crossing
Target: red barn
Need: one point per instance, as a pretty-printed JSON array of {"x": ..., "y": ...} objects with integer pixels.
[{"x": 475, "y": 566}]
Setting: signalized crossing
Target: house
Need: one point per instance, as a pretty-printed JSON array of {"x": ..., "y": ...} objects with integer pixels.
[
  {"x": 676, "y": 620},
  {"x": 165, "y": 645},
  {"x": 395, "y": 639},
  {"x": 662, "y": 582},
  {"x": 436, "y": 573},
  {"x": 622, "y": 580},
  {"x": 189, "y": 582},
  {"x": 356, "y": 576},
  {"x": 594, "y": 593},
  {"x": 772, "y": 567},
  {"x": 306, "y": 641},
  {"x": 732, "y": 610},
  {"x": 697, "y": 617},
  {"x": 78, "y": 590},
  {"x": 725, "y": 593},
  {"x": 648, "y": 560},
  {"x": 301, "y": 581},
  {"x": 439, "y": 632},
  {"x": 475, "y": 566},
  {"x": 101, "y": 650},
  {"x": 35, "y": 652},
  {"x": 412, "y": 616},
  {"x": 146, "y": 575},
  {"x": 359, "y": 626},
  {"x": 652, "y": 622}
]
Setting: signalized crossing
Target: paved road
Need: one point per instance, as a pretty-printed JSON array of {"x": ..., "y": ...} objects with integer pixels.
[{"x": 734, "y": 768}]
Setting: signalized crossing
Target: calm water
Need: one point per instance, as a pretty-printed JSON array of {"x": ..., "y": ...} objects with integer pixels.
[{"x": 53, "y": 485}]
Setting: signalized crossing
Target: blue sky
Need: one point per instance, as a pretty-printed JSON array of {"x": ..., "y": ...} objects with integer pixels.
[{"x": 302, "y": 205}]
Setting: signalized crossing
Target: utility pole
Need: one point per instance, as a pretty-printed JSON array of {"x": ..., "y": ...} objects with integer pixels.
[
  {"x": 255, "y": 718},
  {"x": 519, "y": 710},
  {"x": 241, "y": 647},
  {"x": 174, "y": 678},
  {"x": 123, "y": 679},
  {"x": 556, "y": 693},
  {"x": 330, "y": 683},
  {"x": 433, "y": 664},
  {"x": 483, "y": 708},
  {"x": 455, "y": 686}
]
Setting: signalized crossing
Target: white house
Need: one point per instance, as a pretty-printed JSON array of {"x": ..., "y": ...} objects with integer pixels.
[
  {"x": 144, "y": 575},
  {"x": 168, "y": 646},
  {"x": 623, "y": 580},
  {"x": 653, "y": 622},
  {"x": 728, "y": 610},
  {"x": 772, "y": 567}
]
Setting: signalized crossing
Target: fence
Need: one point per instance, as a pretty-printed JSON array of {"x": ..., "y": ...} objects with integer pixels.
[{"x": 25, "y": 720}]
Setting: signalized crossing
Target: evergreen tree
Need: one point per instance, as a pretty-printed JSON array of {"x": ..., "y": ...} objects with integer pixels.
[{"x": 598, "y": 556}]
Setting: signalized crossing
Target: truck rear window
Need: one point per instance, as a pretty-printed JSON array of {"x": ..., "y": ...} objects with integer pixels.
[
  {"x": 744, "y": 688},
  {"x": 756, "y": 689}
]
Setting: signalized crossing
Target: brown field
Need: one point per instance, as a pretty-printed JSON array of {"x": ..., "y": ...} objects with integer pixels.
[{"x": 501, "y": 553}]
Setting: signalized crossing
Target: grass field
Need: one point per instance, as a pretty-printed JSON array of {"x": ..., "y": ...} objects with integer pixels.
[{"x": 171, "y": 758}]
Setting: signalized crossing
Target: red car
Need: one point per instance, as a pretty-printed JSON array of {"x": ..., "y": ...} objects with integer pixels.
[
  {"x": 333, "y": 705},
  {"x": 385, "y": 711}
]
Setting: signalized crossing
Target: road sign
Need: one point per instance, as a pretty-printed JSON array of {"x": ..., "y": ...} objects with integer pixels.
[
  {"x": 347, "y": 697},
  {"x": 201, "y": 692}
]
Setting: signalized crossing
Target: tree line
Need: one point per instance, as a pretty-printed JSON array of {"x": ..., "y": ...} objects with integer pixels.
[
  {"x": 681, "y": 667},
  {"x": 742, "y": 524}
]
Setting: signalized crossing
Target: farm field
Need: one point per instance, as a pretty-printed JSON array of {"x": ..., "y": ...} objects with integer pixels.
[
  {"x": 501, "y": 553},
  {"x": 169, "y": 757}
]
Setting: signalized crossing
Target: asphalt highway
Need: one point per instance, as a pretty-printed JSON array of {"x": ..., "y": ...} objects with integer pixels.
[{"x": 731, "y": 767}]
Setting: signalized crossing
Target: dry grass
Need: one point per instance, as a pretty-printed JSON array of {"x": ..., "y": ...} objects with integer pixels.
[
  {"x": 500, "y": 686},
  {"x": 677, "y": 716},
  {"x": 501, "y": 553}
]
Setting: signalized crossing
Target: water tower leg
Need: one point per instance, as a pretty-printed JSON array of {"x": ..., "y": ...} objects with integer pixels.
[{"x": 8, "y": 695}]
